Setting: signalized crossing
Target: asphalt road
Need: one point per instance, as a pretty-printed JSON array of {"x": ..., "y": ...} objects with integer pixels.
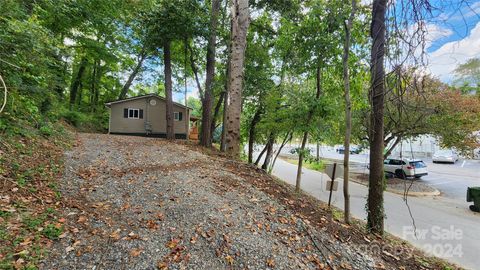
[
  {"x": 444, "y": 227},
  {"x": 451, "y": 179}
]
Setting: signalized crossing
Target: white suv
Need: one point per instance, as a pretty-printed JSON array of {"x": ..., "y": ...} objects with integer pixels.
[{"x": 403, "y": 168}]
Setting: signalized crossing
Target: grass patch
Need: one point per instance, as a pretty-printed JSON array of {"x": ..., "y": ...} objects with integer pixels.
[
  {"x": 312, "y": 165},
  {"x": 28, "y": 216}
]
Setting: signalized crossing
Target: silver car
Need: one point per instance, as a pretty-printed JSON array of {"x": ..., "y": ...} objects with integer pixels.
[
  {"x": 403, "y": 168},
  {"x": 445, "y": 156}
]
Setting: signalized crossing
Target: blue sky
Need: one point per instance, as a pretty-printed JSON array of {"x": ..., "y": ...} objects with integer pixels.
[{"x": 454, "y": 36}]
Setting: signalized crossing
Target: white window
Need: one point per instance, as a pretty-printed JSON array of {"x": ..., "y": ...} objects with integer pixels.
[
  {"x": 177, "y": 116},
  {"x": 133, "y": 113}
]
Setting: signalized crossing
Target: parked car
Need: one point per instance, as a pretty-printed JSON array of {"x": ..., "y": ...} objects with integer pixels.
[
  {"x": 403, "y": 168},
  {"x": 449, "y": 156},
  {"x": 353, "y": 150}
]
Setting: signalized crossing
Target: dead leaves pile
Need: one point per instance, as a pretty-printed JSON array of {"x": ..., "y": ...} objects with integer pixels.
[{"x": 29, "y": 222}]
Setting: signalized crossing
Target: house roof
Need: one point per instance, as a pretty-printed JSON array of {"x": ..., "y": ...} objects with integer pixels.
[{"x": 108, "y": 104}]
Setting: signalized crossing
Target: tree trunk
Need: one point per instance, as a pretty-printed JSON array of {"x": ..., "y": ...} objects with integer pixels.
[
  {"x": 375, "y": 210},
  {"x": 216, "y": 111},
  {"x": 317, "y": 158},
  {"x": 93, "y": 86},
  {"x": 285, "y": 141},
  {"x": 223, "y": 144},
  {"x": 268, "y": 157},
  {"x": 390, "y": 149},
  {"x": 300, "y": 162},
  {"x": 305, "y": 134},
  {"x": 251, "y": 134},
  {"x": 240, "y": 23},
  {"x": 167, "y": 62},
  {"x": 132, "y": 76},
  {"x": 257, "y": 161},
  {"x": 207, "y": 102},
  {"x": 195, "y": 72},
  {"x": 77, "y": 81},
  {"x": 348, "y": 113}
]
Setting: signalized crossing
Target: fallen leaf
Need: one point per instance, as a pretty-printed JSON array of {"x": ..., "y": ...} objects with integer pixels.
[
  {"x": 229, "y": 259},
  {"x": 172, "y": 243},
  {"x": 82, "y": 219},
  {"x": 135, "y": 252},
  {"x": 115, "y": 235},
  {"x": 162, "y": 265},
  {"x": 270, "y": 262}
]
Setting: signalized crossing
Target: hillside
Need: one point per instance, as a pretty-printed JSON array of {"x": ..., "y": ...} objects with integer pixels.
[{"x": 140, "y": 203}]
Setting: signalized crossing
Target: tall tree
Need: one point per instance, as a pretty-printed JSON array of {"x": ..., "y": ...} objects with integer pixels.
[
  {"x": 240, "y": 23},
  {"x": 375, "y": 210},
  {"x": 348, "y": 111},
  {"x": 207, "y": 102},
  {"x": 77, "y": 81},
  {"x": 167, "y": 67},
  {"x": 133, "y": 74},
  {"x": 301, "y": 154}
]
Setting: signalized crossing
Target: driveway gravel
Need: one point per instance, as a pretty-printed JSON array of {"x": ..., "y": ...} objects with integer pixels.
[{"x": 144, "y": 203}]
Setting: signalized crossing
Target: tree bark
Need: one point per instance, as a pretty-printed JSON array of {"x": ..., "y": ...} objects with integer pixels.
[
  {"x": 223, "y": 144},
  {"x": 167, "y": 63},
  {"x": 77, "y": 81},
  {"x": 251, "y": 134},
  {"x": 257, "y": 161},
  {"x": 93, "y": 86},
  {"x": 348, "y": 113},
  {"x": 268, "y": 157},
  {"x": 216, "y": 111},
  {"x": 207, "y": 102},
  {"x": 240, "y": 23},
  {"x": 375, "y": 218},
  {"x": 132, "y": 76},
  {"x": 305, "y": 134},
  {"x": 300, "y": 162}
]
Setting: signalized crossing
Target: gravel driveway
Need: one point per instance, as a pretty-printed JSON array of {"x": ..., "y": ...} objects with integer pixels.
[{"x": 143, "y": 203}]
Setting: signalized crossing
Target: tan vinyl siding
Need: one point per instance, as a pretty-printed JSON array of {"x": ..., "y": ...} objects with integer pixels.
[{"x": 153, "y": 114}]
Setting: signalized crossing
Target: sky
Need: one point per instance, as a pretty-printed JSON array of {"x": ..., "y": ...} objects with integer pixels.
[{"x": 453, "y": 36}]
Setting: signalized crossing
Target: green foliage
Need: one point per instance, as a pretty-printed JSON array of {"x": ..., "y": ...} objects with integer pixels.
[
  {"x": 52, "y": 231},
  {"x": 468, "y": 75}
]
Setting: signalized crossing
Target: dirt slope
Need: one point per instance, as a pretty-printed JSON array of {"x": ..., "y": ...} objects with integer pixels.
[{"x": 141, "y": 203}]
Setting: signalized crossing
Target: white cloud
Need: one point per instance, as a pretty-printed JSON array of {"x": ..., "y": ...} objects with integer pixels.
[
  {"x": 434, "y": 33},
  {"x": 444, "y": 60}
]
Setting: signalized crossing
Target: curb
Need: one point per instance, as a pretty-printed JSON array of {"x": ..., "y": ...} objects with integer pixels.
[{"x": 436, "y": 192}]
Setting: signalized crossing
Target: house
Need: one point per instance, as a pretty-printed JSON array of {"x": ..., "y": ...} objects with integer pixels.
[{"x": 146, "y": 115}]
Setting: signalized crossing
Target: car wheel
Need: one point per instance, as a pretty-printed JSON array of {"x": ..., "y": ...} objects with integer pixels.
[{"x": 400, "y": 174}]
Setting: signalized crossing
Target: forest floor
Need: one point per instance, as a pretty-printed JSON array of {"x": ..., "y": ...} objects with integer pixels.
[{"x": 142, "y": 203}]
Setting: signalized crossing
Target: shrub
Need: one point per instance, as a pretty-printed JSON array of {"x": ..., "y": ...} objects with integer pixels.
[
  {"x": 74, "y": 118},
  {"x": 46, "y": 130}
]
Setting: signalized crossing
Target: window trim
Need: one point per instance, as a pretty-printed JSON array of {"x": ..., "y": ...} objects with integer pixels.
[
  {"x": 176, "y": 116},
  {"x": 133, "y": 113}
]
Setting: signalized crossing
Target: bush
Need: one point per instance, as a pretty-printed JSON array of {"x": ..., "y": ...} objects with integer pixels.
[
  {"x": 74, "y": 118},
  {"x": 46, "y": 130}
]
